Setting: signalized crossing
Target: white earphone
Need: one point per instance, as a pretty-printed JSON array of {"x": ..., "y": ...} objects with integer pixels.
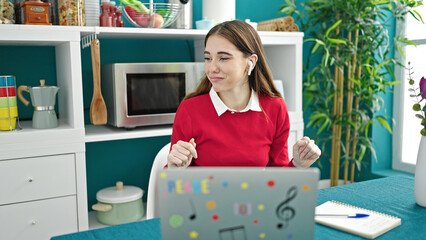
[{"x": 250, "y": 67}]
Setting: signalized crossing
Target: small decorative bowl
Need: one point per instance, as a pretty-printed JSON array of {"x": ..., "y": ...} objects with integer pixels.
[{"x": 162, "y": 15}]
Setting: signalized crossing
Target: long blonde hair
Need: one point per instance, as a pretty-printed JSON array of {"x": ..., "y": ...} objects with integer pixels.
[{"x": 246, "y": 39}]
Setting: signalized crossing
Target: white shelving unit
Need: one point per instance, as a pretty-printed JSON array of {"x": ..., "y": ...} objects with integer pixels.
[{"x": 67, "y": 142}]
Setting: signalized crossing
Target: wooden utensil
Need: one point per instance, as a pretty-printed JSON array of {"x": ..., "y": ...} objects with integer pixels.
[{"x": 98, "y": 111}]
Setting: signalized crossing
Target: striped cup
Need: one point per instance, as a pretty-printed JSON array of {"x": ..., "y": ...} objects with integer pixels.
[{"x": 8, "y": 105}]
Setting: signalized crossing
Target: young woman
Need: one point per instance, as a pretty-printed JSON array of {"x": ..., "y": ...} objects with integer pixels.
[{"x": 235, "y": 117}]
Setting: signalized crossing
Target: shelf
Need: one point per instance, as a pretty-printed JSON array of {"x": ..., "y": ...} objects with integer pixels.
[
  {"x": 36, "y": 142},
  {"x": 268, "y": 38},
  {"x": 39, "y": 35},
  {"x": 108, "y": 133},
  {"x": 94, "y": 224},
  {"x": 144, "y": 33}
]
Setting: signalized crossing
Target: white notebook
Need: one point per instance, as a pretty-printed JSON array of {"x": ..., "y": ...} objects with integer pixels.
[{"x": 369, "y": 227}]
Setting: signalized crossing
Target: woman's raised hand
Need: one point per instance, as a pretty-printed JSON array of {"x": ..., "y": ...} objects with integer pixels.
[
  {"x": 182, "y": 153},
  {"x": 305, "y": 152}
]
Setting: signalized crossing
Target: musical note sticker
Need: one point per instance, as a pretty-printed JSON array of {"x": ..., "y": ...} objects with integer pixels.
[
  {"x": 233, "y": 233},
  {"x": 284, "y": 211},
  {"x": 194, "y": 214}
]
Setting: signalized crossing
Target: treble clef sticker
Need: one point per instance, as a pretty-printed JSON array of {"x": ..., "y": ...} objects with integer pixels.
[{"x": 284, "y": 211}]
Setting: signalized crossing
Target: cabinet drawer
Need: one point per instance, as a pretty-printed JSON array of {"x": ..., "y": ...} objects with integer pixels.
[
  {"x": 39, "y": 220},
  {"x": 37, "y": 178},
  {"x": 38, "y": 18}
]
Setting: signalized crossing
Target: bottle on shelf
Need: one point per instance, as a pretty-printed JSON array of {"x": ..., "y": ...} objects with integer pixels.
[
  {"x": 105, "y": 19},
  {"x": 112, "y": 10},
  {"x": 120, "y": 22}
]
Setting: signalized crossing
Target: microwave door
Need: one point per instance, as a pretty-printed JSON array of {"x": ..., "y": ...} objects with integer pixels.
[{"x": 153, "y": 98}]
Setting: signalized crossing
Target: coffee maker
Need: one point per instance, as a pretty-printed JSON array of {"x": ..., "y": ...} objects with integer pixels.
[{"x": 43, "y": 99}]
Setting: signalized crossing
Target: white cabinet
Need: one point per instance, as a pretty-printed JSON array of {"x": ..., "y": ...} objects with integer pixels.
[
  {"x": 39, "y": 219},
  {"x": 43, "y": 172},
  {"x": 39, "y": 197},
  {"x": 36, "y": 178}
]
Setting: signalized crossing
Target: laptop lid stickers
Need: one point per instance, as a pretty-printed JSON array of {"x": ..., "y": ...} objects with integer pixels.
[{"x": 237, "y": 203}]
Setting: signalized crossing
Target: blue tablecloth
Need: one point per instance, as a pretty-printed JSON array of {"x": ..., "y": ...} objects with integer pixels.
[{"x": 391, "y": 195}]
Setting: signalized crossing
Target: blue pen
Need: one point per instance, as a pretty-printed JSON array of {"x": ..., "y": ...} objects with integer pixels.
[{"x": 357, "y": 215}]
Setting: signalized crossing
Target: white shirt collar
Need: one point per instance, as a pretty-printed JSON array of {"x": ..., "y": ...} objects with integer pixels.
[{"x": 220, "y": 106}]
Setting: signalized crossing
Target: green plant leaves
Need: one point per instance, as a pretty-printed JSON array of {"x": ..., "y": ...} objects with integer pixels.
[
  {"x": 333, "y": 27},
  {"x": 416, "y": 107},
  {"x": 384, "y": 123},
  {"x": 351, "y": 36}
]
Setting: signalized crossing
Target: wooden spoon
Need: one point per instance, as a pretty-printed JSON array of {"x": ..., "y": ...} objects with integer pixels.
[{"x": 98, "y": 111}]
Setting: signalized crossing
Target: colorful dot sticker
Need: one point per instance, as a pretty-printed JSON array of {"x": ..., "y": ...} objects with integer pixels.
[
  {"x": 211, "y": 205},
  {"x": 290, "y": 236},
  {"x": 260, "y": 207},
  {"x": 225, "y": 184},
  {"x": 175, "y": 221},
  {"x": 305, "y": 188},
  {"x": 211, "y": 177},
  {"x": 262, "y": 235},
  {"x": 163, "y": 175},
  {"x": 165, "y": 195},
  {"x": 244, "y": 185},
  {"x": 255, "y": 221},
  {"x": 193, "y": 234},
  {"x": 270, "y": 183},
  {"x": 215, "y": 217}
]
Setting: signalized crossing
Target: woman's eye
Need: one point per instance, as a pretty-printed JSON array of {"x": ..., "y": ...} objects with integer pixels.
[
  {"x": 206, "y": 59},
  {"x": 224, "y": 59}
]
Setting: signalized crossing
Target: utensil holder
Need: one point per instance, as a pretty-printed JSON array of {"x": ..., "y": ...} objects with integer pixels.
[{"x": 8, "y": 105}]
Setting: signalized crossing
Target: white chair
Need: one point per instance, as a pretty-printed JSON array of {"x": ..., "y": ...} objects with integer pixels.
[{"x": 152, "y": 208}]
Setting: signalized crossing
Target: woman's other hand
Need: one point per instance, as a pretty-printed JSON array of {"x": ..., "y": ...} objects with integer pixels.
[
  {"x": 305, "y": 152},
  {"x": 182, "y": 154}
]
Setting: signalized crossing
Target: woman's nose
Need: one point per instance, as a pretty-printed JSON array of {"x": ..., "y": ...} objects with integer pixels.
[{"x": 213, "y": 66}]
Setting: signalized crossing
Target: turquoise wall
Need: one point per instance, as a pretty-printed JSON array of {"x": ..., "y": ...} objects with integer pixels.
[{"x": 130, "y": 160}]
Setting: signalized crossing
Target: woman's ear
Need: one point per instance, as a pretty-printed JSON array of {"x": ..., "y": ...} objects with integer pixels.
[{"x": 252, "y": 63}]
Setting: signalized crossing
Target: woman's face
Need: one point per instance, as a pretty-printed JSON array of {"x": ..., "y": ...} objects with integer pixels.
[{"x": 225, "y": 65}]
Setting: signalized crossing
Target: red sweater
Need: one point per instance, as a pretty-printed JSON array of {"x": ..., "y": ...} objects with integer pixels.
[{"x": 235, "y": 139}]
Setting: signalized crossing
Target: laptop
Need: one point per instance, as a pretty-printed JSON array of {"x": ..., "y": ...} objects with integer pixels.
[{"x": 229, "y": 203}]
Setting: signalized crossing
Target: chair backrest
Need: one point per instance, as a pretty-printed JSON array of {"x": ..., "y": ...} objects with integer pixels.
[{"x": 159, "y": 162}]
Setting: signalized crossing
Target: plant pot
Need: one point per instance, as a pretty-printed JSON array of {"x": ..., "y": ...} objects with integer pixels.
[
  {"x": 420, "y": 174},
  {"x": 119, "y": 204}
]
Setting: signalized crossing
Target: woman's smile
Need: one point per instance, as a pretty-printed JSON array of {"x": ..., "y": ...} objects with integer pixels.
[{"x": 215, "y": 78}]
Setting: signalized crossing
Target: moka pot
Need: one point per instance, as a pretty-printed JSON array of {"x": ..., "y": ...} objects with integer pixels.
[{"x": 43, "y": 99}]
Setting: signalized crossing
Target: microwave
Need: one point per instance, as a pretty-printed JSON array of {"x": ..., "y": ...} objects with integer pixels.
[{"x": 144, "y": 94}]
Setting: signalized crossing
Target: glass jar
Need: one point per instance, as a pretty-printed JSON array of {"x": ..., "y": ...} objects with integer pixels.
[
  {"x": 7, "y": 12},
  {"x": 71, "y": 13}
]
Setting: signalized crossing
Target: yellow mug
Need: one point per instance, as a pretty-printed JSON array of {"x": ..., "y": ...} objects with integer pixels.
[
  {"x": 8, "y": 112},
  {"x": 8, "y": 118},
  {"x": 7, "y": 124}
]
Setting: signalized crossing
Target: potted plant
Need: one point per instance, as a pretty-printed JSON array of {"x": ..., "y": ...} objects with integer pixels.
[
  {"x": 419, "y": 94},
  {"x": 355, "y": 66}
]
